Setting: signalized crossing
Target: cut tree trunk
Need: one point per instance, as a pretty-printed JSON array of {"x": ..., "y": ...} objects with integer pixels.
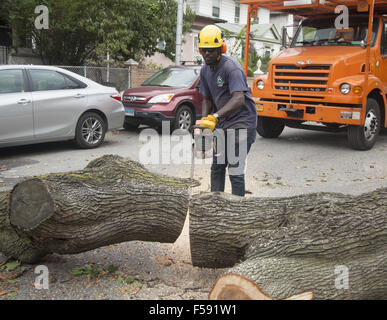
[
  {"x": 287, "y": 246},
  {"x": 111, "y": 201}
]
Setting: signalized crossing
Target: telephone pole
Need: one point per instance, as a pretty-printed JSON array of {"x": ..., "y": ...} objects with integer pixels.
[{"x": 179, "y": 31}]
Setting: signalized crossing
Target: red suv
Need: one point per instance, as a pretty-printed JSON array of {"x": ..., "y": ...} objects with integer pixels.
[{"x": 171, "y": 94}]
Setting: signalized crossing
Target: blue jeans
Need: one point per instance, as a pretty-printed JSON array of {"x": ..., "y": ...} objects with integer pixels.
[{"x": 231, "y": 147}]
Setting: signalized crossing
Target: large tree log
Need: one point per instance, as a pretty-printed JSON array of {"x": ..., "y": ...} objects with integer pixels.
[
  {"x": 112, "y": 200},
  {"x": 291, "y": 245}
]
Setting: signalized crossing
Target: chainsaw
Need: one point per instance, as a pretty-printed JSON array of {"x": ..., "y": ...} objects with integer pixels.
[{"x": 202, "y": 144}]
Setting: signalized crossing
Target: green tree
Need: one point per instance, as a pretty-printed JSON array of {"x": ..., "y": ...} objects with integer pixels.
[
  {"x": 88, "y": 29},
  {"x": 265, "y": 63},
  {"x": 238, "y": 52}
]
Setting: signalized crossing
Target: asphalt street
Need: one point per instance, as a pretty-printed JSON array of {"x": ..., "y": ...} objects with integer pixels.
[{"x": 297, "y": 162}]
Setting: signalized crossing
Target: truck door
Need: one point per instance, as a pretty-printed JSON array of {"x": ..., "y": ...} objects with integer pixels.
[{"x": 382, "y": 61}]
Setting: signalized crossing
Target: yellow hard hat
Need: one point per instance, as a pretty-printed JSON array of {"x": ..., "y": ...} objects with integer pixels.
[{"x": 211, "y": 37}]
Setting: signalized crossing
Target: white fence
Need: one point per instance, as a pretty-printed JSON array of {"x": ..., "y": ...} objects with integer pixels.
[{"x": 4, "y": 53}]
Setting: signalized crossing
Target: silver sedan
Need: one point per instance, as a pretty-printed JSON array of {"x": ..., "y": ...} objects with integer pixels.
[{"x": 44, "y": 103}]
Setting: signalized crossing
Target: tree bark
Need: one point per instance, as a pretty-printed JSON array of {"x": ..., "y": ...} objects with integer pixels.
[
  {"x": 292, "y": 245},
  {"x": 111, "y": 201},
  {"x": 326, "y": 245}
]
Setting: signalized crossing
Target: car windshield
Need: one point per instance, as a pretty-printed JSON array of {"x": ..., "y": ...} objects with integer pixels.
[
  {"x": 322, "y": 32},
  {"x": 173, "y": 77}
]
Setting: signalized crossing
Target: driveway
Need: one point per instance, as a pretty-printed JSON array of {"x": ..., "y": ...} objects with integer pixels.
[{"x": 297, "y": 162}]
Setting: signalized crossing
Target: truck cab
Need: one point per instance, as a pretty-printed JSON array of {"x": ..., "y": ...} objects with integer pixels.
[{"x": 321, "y": 80}]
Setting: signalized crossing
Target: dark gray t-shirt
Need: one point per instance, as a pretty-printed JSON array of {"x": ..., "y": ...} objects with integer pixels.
[{"x": 219, "y": 84}]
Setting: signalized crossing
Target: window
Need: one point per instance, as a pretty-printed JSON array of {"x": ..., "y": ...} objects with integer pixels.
[
  {"x": 322, "y": 32},
  {"x": 11, "y": 81},
  {"x": 237, "y": 12},
  {"x": 216, "y": 8},
  {"x": 384, "y": 40},
  {"x": 43, "y": 80},
  {"x": 173, "y": 77}
]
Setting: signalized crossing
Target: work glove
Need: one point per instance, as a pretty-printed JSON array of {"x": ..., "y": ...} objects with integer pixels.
[{"x": 210, "y": 121}]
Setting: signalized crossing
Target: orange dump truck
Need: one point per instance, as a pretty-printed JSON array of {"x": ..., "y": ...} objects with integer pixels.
[{"x": 332, "y": 76}]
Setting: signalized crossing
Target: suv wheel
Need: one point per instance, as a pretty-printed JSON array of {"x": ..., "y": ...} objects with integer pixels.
[
  {"x": 90, "y": 131},
  {"x": 184, "y": 118},
  {"x": 131, "y": 124}
]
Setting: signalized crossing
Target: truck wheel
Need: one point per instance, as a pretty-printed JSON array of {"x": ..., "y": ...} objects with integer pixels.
[
  {"x": 270, "y": 127},
  {"x": 364, "y": 137}
]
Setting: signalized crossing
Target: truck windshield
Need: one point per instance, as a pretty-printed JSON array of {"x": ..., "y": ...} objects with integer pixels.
[
  {"x": 173, "y": 77},
  {"x": 322, "y": 32}
]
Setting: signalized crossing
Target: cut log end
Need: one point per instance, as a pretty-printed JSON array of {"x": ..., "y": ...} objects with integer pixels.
[
  {"x": 236, "y": 287},
  {"x": 30, "y": 204}
]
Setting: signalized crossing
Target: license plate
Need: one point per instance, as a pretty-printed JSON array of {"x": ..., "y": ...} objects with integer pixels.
[{"x": 129, "y": 112}]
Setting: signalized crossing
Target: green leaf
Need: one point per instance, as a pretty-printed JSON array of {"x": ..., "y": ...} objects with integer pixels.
[
  {"x": 10, "y": 266},
  {"x": 12, "y": 294},
  {"x": 77, "y": 271},
  {"x": 112, "y": 269},
  {"x": 120, "y": 280},
  {"x": 129, "y": 279}
]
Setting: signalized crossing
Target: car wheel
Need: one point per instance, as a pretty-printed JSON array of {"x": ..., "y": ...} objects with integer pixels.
[
  {"x": 270, "y": 127},
  {"x": 184, "y": 118},
  {"x": 131, "y": 124},
  {"x": 364, "y": 137},
  {"x": 90, "y": 131}
]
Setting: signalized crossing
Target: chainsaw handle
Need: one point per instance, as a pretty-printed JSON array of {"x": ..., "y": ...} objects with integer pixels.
[{"x": 199, "y": 127}]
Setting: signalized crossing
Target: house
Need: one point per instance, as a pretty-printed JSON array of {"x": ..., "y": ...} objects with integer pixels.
[
  {"x": 265, "y": 38},
  {"x": 230, "y": 16}
]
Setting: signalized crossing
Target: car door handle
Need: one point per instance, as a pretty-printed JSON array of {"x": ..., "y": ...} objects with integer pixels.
[
  {"x": 79, "y": 95},
  {"x": 23, "y": 101}
]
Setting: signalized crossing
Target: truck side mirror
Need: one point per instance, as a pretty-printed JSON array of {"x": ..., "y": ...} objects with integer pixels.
[
  {"x": 363, "y": 44},
  {"x": 284, "y": 38}
]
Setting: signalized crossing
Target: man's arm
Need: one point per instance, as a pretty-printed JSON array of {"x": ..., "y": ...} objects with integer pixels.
[
  {"x": 236, "y": 102},
  {"x": 206, "y": 106}
]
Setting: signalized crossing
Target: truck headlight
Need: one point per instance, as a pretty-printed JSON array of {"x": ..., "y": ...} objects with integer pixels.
[
  {"x": 345, "y": 88},
  {"x": 260, "y": 84}
]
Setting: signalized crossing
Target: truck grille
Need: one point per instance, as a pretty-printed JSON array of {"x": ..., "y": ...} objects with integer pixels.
[{"x": 310, "y": 78}]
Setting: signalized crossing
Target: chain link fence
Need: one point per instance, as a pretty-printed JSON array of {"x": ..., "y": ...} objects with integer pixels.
[
  {"x": 114, "y": 77},
  {"x": 4, "y": 53}
]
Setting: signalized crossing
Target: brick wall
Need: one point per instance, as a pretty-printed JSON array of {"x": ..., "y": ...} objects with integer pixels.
[{"x": 139, "y": 75}]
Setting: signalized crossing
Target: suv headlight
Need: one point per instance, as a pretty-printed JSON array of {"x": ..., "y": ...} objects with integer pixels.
[
  {"x": 260, "y": 84},
  {"x": 345, "y": 88},
  {"x": 162, "y": 98}
]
